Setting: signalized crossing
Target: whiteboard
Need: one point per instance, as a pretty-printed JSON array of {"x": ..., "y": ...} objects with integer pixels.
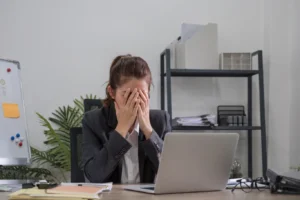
[{"x": 14, "y": 146}]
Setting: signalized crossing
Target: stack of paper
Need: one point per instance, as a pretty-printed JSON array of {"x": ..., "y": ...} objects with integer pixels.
[
  {"x": 203, "y": 120},
  {"x": 64, "y": 191}
]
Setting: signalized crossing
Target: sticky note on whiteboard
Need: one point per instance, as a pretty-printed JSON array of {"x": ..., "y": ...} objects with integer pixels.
[{"x": 11, "y": 110}]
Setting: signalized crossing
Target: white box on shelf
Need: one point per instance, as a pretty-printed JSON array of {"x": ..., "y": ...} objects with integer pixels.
[
  {"x": 236, "y": 61},
  {"x": 197, "y": 48},
  {"x": 172, "y": 48}
]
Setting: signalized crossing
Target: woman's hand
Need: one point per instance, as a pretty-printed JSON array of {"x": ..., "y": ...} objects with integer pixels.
[
  {"x": 143, "y": 114},
  {"x": 126, "y": 111}
]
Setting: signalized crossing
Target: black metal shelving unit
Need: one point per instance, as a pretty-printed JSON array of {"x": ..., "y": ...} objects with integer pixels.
[{"x": 166, "y": 73}]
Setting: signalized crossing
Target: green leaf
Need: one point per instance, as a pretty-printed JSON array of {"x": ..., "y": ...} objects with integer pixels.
[
  {"x": 63, "y": 150},
  {"x": 66, "y": 117},
  {"x": 42, "y": 157},
  {"x": 57, "y": 132},
  {"x": 79, "y": 105},
  {"x": 25, "y": 172},
  {"x": 62, "y": 134}
]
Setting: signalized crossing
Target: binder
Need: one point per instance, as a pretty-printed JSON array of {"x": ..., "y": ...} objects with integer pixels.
[{"x": 288, "y": 183}]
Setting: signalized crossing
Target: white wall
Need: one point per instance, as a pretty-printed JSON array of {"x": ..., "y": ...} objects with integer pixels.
[
  {"x": 295, "y": 84},
  {"x": 281, "y": 44},
  {"x": 277, "y": 50},
  {"x": 65, "y": 49}
]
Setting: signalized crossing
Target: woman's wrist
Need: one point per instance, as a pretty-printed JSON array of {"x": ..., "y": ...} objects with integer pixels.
[
  {"x": 147, "y": 132},
  {"x": 122, "y": 130}
]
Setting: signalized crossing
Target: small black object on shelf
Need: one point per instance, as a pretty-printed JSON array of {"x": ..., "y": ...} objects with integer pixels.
[{"x": 231, "y": 115}]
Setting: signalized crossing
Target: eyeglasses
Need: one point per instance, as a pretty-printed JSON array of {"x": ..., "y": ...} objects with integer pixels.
[{"x": 248, "y": 184}]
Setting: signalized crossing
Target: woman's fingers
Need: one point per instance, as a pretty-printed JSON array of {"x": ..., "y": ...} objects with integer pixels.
[
  {"x": 143, "y": 96},
  {"x": 135, "y": 100},
  {"x": 146, "y": 94},
  {"x": 136, "y": 109},
  {"x": 126, "y": 95},
  {"x": 131, "y": 97},
  {"x": 142, "y": 105}
]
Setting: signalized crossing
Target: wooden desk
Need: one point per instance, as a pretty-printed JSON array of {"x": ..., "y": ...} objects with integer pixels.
[{"x": 118, "y": 193}]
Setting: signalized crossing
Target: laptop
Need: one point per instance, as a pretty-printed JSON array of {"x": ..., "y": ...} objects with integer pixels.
[{"x": 193, "y": 162}]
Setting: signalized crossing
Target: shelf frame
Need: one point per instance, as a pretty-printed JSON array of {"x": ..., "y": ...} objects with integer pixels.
[
  {"x": 211, "y": 73},
  {"x": 166, "y": 73},
  {"x": 220, "y": 128}
]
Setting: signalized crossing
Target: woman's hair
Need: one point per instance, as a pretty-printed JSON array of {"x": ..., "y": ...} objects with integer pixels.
[{"x": 122, "y": 69}]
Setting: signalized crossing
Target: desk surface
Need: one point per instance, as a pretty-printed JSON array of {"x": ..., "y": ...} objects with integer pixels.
[{"x": 118, "y": 193}]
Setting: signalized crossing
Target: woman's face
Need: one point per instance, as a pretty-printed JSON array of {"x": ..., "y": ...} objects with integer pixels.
[{"x": 133, "y": 83}]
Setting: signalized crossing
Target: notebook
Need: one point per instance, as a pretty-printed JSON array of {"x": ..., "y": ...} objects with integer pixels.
[
  {"x": 93, "y": 191},
  {"x": 35, "y": 193}
]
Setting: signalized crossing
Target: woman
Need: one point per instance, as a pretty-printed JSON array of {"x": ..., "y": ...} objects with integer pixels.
[{"x": 123, "y": 140}]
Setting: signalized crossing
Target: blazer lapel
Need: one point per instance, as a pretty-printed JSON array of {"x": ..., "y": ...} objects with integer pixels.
[
  {"x": 112, "y": 123},
  {"x": 141, "y": 155},
  {"x": 112, "y": 118}
]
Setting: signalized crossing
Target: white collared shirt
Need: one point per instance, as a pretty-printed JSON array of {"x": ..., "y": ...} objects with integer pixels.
[{"x": 130, "y": 162}]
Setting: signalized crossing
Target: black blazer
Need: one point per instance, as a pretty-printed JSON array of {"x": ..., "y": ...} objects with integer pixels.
[{"x": 103, "y": 147}]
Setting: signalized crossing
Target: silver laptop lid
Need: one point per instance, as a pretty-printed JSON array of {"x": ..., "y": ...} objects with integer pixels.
[{"x": 195, "y": 161}]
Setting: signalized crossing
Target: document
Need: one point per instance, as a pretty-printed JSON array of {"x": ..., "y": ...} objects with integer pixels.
[
  {"x": 77, "y": 191},
  {"x": 203, "y": 120}
]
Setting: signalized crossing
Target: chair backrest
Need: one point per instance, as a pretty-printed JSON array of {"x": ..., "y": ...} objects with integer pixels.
[
  {"x": 77, "y": 174},
  {"x": 91, "y": 104}
]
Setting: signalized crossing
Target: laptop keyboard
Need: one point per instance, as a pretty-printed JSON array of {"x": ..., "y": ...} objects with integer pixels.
[{"x": 148, "y": 188}]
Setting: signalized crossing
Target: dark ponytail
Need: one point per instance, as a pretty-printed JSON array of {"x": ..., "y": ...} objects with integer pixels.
[{"x": 123, "y": 68}]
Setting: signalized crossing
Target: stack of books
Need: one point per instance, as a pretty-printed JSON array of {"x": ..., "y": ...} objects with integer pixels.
[{"x": 285, "y": 183}]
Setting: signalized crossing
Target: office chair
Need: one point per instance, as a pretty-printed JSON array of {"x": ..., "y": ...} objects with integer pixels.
[
  {"x": 77, "y": 174},
  {"x": 91, "y": 104}
]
